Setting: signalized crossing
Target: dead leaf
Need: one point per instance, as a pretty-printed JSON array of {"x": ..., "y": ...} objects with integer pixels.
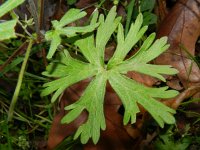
[
  {"x": 161, "y": 10},
  {"x": 174, "y": 83},
  {"x": 182, "y": 26},
  {"x": 142, "y": 78}
]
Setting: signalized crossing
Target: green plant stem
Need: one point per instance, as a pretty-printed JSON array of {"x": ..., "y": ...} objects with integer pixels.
[{"x": 19, "y": 82}]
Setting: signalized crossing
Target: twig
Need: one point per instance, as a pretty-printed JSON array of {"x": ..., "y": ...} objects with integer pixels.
[
  {"x": 176, "y": 102},
  {"x": 44, "y": 57},
  {"x": 184, "y": 95}
]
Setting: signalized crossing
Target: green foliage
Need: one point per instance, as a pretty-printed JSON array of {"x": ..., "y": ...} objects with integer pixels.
[
  {"x": 12, "y": 65},
  {"x": 70, "y": 71},
  {"x": 167, "y": 141},
  {"x": 71, "y": 2},
  {"x": 130, "y": 8},
  {"x": 7, "y": 28},
  {"x": 60, "y": 29},
  {"x": 9, "y": 5},
  {"x": 147, "y": 5},
  {"x": 146, "y": 9}
]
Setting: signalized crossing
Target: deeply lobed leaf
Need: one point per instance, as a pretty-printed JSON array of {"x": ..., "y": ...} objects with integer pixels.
[
  {"x": 105, "y": 31},
  {"x": 88, "y": 49},
  {"x": 124, "y": 45},
  {"x": 59, "y": 29},
  {"x": 71, "y": 16},
  {"x": 92, "y": 101},
  {"x": 132, "y": 93},
  {"x": 70, "y": 71},
  {"x": 72, "y": 75}
]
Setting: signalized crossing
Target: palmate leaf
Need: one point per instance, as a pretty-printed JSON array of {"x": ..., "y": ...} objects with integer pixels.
[
  {"x": 132, "y": 93},
  {"x": 69, "y": 71},
  {"x": 146, "y": 53},
  {"x": 60, "y": 29},
  {"x": 72, "y": 74}
]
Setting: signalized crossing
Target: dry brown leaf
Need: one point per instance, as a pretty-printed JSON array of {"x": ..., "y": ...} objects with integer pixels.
[
  {"x": 142, "y": 78},
  {"x": 182, "y": 26}
]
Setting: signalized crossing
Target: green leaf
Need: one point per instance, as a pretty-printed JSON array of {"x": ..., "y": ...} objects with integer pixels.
[
  {"x": 71, "y": 2},
  {"x": 87, "y": 48},
  {"x": 92, "y": 45},
  {"x": 168, "y": 141},
  {"x": 55, "y": 42},
  {"x": 132, "y": 93},
  {"x": 71, "y": 31},
  {"x": 124, "y": 46},
  {"x": 146, "y": 54},
  {"x": 9, "y": 5},
  {"x": 72, "y": 75},
  {"x": 93, "y": 103},
  {"x": 12, "y": 65},
  {"x": 148, "y": 69},
  {"x": 7, "y": 30},
  {"x": 149, "y": 18},
  {"x": 147, "y": 5},
  {"x": 95, "y": 16},
  {"x": 105, "y": 31},
  {"x": 59, "y": 29},
  {"x": 71, "y": 16}
]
